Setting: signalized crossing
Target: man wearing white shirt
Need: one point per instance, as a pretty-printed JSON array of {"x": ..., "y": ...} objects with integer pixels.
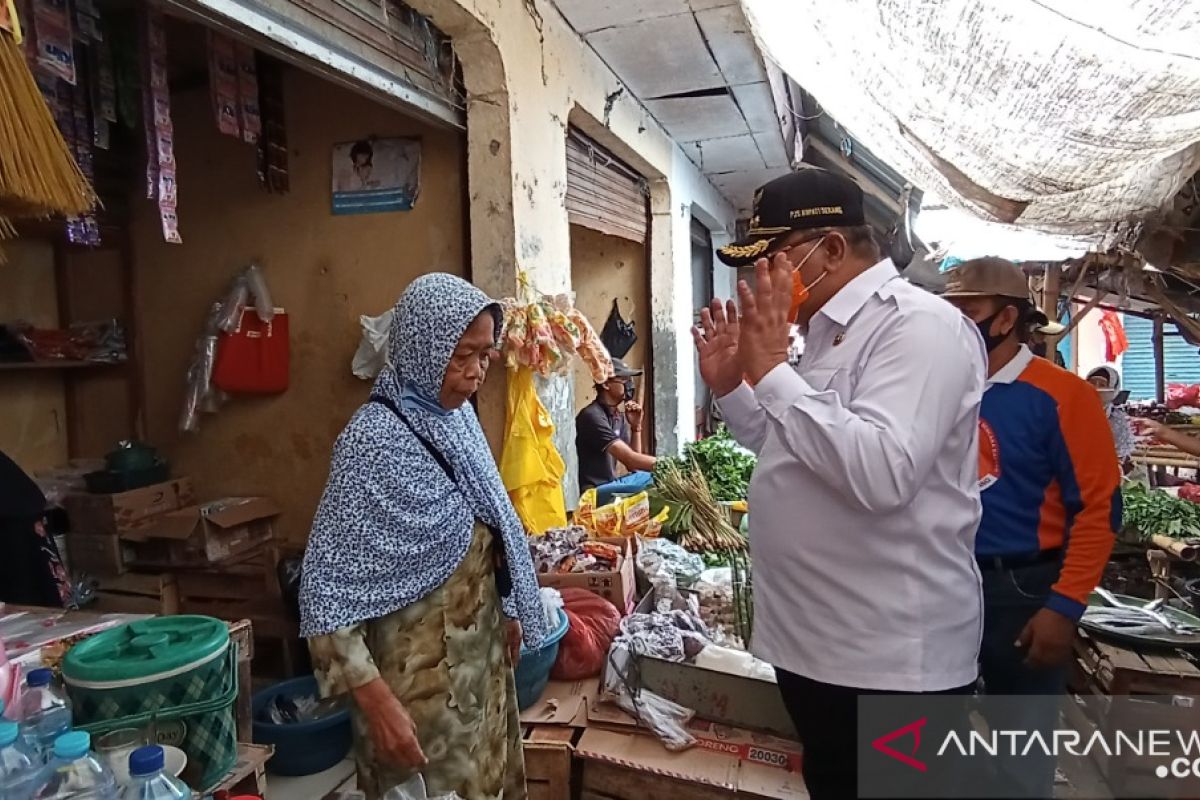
[{"x": 864, "y": 504}]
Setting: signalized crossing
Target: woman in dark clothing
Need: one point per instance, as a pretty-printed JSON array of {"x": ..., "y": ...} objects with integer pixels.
[{"x": 31, "y": 570}]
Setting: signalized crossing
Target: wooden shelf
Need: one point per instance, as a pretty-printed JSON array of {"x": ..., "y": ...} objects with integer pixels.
[{"x": 21, "y": 365}]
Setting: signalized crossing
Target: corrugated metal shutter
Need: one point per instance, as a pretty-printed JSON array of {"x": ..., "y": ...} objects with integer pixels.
[
  {"x": 1182, "y": 364},
  {"x": 1137, "y": 364},
  {"x": 602, "y": 193}
]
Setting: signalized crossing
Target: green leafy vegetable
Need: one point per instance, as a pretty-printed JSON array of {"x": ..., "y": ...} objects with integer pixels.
[
  {"x": 725, "y": 465},
  {"x": 1150, "y": 512}
]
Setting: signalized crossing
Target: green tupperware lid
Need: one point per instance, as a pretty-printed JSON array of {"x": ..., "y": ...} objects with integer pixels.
[{"x": 146, "y": 648}]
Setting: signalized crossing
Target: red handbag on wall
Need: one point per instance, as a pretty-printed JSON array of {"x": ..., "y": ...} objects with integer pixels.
[{"x": 253, "y": 358}]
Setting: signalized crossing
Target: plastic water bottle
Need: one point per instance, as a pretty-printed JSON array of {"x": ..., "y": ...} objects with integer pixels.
[
  {"x": 20, "y": 771},
  {"x": 148, "y": 780},
  {"x": 45, "y": 713},
  {"x": 75, "y": 773}
]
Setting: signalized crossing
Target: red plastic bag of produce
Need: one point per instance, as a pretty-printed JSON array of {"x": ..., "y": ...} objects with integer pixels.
[
  {"x": 594, "y": 623},
  {"x": 1190, "y": 492},
  {"x": 1182, "y": 394}
]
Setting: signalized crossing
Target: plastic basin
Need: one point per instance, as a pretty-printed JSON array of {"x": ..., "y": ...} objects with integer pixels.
[
  {"x": 533, "y": 670},
  {"x": 302, "y": 748}
]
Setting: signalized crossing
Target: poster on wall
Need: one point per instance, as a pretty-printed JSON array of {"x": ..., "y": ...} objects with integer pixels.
[{"x": 373, "y": 176}]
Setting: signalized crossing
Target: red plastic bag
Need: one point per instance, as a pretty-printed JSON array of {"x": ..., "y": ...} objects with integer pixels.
[
  {"x": 1181, "y": 394},
  {"x": 594, "y": 623}
]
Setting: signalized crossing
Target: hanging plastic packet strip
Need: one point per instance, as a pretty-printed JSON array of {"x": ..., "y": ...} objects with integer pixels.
[
  {"x": 100, "y": 131},
  {"x": 223, "y": 83},
  {"x": 148, "y": 111},
  {"x": 272, "y": 145},
  {"x": 247, "y": 87},
  {"x": 164, "y": 131},
  {"x": 55, "y": 41}
]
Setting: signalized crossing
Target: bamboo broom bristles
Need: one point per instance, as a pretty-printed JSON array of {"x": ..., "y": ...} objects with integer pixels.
[{"x": 38, "y": 175}]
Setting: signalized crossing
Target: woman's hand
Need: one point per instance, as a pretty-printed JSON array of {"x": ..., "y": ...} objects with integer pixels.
[
  {"x": 392, "y": 731},
  {"x": 513, "y": 631}
]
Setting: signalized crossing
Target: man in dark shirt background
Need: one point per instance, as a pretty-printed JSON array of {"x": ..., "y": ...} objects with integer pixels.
[{"x": 609, "y": 432}]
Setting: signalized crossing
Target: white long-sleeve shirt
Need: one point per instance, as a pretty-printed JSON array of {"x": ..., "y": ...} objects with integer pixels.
[{"x": 865, "y": 503}]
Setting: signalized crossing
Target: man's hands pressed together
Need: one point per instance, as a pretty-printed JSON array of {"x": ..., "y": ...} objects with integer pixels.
[{"x": 734, "y": 346}]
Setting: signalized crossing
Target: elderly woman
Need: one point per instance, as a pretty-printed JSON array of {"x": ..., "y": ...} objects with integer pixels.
[
  {"x": 1108, "y": 383},
  {"x": 412, "y": 548}
]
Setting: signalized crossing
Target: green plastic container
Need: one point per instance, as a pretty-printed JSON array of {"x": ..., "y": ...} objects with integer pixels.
[{"x": 173, "y": 676}]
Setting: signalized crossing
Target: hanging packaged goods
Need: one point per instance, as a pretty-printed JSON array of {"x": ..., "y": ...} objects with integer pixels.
[
  {"x": 39, "y": 175},
  {"x": 161, "y": 183}
]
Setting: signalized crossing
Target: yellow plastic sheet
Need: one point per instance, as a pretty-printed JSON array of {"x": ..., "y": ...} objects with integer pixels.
[{"x": 530, "y": 466}]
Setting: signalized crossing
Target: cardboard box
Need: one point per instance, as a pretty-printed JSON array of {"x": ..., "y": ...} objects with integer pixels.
[
  {"x": 98, "y": 554},
  {"x": 204, "y": 534},
  {"x": 616, "y": 586},
  {"x": 126, "y": 511},
  {"x": 628, "y": 766},
  {"x": 731, "y": 699},
  {"x": 747, "y": 746}
]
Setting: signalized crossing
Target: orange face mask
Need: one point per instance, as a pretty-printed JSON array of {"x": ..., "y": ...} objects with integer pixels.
[{"x": 800, "y": 292}]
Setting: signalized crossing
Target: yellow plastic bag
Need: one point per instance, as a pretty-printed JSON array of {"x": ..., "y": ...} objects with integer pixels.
[{"x": 530, "y": 466}]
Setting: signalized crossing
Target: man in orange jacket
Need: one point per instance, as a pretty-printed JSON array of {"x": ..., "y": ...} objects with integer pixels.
[{"x": 1050, "y": 486}]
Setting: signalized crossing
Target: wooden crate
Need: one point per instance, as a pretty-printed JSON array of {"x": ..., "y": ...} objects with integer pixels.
[
  {"x": 1102, "y": 670},
  {"x": 549, "y": 760},
  {"x": 137, "y": 593},
  {"x": 244, "y": 587},
  {"x": 249, "y": 774}
]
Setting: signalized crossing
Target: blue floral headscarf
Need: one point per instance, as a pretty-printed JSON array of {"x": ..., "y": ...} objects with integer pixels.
[{"x": 392, "y": 527}]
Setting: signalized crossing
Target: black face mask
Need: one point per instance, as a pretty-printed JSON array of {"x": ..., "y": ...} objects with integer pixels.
[
  {"x": 991, "y": 340},
  {"x": 1039, "y": 349},
  {"x": 629, "y": 392}
]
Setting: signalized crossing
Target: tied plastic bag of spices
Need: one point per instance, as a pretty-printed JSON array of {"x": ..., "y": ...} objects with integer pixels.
[{"x": 593, "y": 624}]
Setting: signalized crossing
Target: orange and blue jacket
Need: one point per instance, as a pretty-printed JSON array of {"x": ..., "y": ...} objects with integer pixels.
[{"x": 1049, "y": 478}]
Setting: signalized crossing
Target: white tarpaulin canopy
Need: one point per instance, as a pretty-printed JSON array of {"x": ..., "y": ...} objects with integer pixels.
[{"x": 1060, "y": 115}]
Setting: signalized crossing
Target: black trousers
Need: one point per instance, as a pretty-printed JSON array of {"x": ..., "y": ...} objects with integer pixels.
[{"x": 826, "y": 717}]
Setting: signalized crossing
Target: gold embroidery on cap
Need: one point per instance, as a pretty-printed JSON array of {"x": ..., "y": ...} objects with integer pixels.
[
  {"x": 779, "y": 229},
  {"x": 816, "y": 211},
  {"x": 745, "y": 251}
]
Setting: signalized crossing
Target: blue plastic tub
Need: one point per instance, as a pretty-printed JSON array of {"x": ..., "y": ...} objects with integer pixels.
[
  {"x": 533, "y": 670},
  {"x": 302, "y": 748}
]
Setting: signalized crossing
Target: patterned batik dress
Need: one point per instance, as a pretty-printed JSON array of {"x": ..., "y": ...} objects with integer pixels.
[{"x": 446, "y": 658}]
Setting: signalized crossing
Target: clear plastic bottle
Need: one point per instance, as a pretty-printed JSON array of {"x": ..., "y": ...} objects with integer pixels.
[
  {"x": 149, "y": 781},
  {"x": 45, "y": 713},
  {"x": 75, "y": 773},
  {"x": 20, "y": 771}
]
